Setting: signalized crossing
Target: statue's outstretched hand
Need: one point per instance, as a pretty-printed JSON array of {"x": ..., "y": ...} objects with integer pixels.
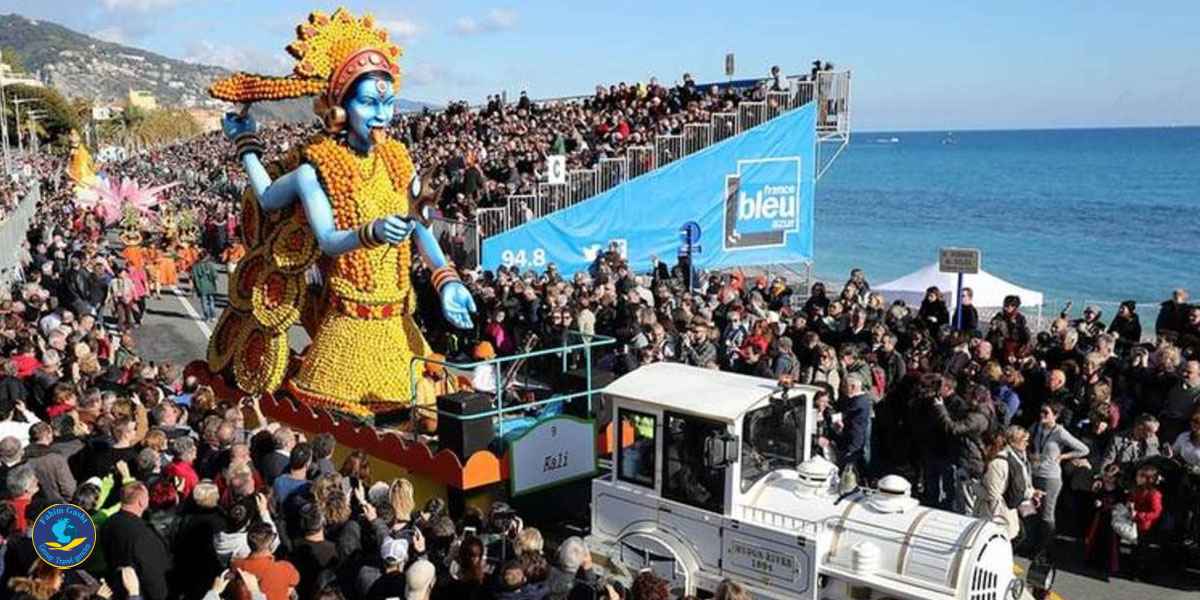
[
  {"x": 234, "y": 124},
  {"x": 457, "y": 304},
  {"x": 393, "y": 229}
]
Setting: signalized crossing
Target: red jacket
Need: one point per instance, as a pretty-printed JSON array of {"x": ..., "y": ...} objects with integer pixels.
[
  {"x": 26, "y": 364},
  {"x": 185, "y": 472},
  {"x": 19, "y": 504},
  {"x": 1147, "y": 508}
]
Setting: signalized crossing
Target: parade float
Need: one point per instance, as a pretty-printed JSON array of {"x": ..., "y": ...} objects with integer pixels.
[{"x": 346, "y": 204}]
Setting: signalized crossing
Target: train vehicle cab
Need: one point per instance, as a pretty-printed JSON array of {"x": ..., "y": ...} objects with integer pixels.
[{"x": 714, "y": 477}]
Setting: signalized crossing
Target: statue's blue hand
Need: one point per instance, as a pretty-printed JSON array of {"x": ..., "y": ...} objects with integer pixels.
[
  {"x": 393, "y": 229},
  {"x": 457, "y": 304},
  {"x": 234, "y": 125}
]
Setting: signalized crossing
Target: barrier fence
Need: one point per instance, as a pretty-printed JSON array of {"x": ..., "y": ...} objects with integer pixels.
[
  {"x": 13, "y": 232},
  {"x": 459, "y": 240},
  {"x": 663, "y": 149}
]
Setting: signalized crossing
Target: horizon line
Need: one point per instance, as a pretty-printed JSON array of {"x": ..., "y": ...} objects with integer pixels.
[{"x": 997, "y": 129}]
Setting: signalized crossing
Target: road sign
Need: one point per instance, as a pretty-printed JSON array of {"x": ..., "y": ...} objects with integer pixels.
[
  {"x": 556, "y": 169},
  {"x": 958, "y": 260},
  {"x": 555, "y": 451},
  {"x": 690, "y": 232}
]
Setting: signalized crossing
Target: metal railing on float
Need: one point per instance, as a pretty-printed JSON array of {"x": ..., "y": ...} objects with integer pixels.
[
  {"x": 506, "y": 373},
  {"x": 831, "y": 90}
]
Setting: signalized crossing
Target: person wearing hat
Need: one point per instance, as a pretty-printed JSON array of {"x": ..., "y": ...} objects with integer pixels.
[
  {"x": 779, "y": 295},
  {"x": 1089, "y": 327},
  {"x": 392, "y": 583},
  {"x": 434, "y": 382},
  {"x": 483, "y": 379},
  {"x": 1015, "y": 342},
  {"x": 419, "y": 580},
  {"x": 1127, "y": 326}
]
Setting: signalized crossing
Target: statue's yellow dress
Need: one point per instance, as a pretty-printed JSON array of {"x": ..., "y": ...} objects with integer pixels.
[
  {"x": 361, "y": 323},
  {"x": 363, "y": 346},
  {"x": 80, "y": 168}
]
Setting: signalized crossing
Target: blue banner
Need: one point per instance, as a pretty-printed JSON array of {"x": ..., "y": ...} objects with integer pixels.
[{"x": 752, "y": 196}]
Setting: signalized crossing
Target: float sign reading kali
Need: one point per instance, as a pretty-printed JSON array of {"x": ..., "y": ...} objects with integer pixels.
[{"x": 555, "y": 451}]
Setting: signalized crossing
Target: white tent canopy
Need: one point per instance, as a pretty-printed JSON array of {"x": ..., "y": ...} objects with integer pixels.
[{"x": 988, "y": 290}]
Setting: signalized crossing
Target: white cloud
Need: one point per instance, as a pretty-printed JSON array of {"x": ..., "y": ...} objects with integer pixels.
[
  {"x": 237, "y": 58},
  {"x": 424, "y": 74},
  {"x": 419, "y": 74},
  {"x": 401, "y": 29},
  {"x": 497, "y": 19},
  {"x": 137, "y": 5},
  {"x": 113, "y": 34}
]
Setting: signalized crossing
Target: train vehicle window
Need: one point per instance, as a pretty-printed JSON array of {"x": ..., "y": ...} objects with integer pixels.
[
  {"x": 686, "y": 477},
  {"x": 636, "y": 461},
  {"x": 771, "y": 438}
]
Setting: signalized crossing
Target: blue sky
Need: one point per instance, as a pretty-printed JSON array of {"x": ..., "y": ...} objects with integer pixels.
[{"x": 917, "y": 64}]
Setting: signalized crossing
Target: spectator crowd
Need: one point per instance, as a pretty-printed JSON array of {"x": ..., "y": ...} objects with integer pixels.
[{"x": 1083, "y": 429}]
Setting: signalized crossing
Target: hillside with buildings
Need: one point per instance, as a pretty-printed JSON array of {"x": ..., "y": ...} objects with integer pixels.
[{"x": 80, "y": 66}]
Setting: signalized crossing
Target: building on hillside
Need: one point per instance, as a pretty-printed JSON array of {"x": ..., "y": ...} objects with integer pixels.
[
  {"x": 143, "y": 99},
  {"x": 9, "y": 77},
  {"x": 209, "y": 120}
]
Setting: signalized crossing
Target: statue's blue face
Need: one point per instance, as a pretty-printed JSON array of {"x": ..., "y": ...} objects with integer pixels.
[{"x": 371, "y": 104}]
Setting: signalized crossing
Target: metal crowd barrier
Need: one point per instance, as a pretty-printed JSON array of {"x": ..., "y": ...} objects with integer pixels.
[
  {"x": 668, "y": 149},
  {"x": 696, "y": 137},
  {"x": 13, "y": 232},
  {"x": 613, "y": 172},
  {"x": 831, "y": 88},
  {"x": 459, "y": 240}
]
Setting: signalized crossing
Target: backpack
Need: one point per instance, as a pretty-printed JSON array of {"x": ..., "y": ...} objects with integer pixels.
[{"x": 1014, "y": 490}]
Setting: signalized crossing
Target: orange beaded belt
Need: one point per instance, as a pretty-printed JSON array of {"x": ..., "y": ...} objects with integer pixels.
[{"x": 369, "y": 311}]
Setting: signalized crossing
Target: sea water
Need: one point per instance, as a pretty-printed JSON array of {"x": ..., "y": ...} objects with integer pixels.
[{"x": 1079, "y": 214}]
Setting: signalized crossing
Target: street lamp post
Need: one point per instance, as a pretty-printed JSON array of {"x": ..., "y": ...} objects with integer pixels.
[
  {"x": 17, "y": 103},
  {"x": 34, "y": 116},
  {"x": 4, "y": 129}
]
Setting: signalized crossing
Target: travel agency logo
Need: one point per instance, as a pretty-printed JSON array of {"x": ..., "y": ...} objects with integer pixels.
[
  {"x": 64, "y": 536},
  {"x": 762, "y": 203}
]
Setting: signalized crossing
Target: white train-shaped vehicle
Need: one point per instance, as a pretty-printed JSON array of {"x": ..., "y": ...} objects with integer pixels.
[{"x": 717, "y": 483}]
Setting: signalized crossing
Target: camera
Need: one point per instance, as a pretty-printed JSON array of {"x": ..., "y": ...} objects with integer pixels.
[{"x": 503, "y": 519}]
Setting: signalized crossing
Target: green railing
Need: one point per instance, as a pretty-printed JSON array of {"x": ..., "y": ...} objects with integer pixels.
[{"x": 576, "y": 342}]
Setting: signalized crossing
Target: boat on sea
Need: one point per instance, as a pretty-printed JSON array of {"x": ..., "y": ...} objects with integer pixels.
[
  {"x": 949, "y": 140},
  {"x": 891, "y": 140}
]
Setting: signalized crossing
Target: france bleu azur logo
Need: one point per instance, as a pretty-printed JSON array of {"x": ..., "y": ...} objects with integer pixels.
[
  {"x": 762, "y": 203},
  {"x": 64, "y": 536}
]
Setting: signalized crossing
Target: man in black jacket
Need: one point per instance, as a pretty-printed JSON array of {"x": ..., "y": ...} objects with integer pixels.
[
  {"x": 129, "y": 541},
  {"x": 274, "y": 464},
  {"x": 1172, "y": 314},
  {"x": 964, "y": 423},
  {"x": 854, "y": 430}
]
